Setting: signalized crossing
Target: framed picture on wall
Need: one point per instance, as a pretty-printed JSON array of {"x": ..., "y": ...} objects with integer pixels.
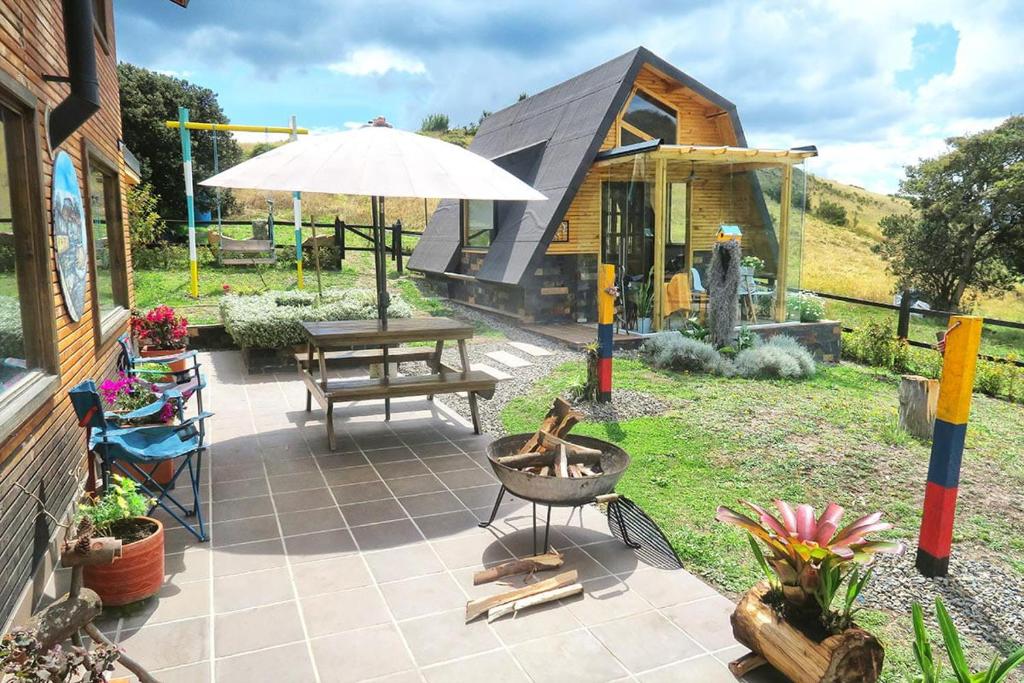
[{"x": 562, "y": 232}]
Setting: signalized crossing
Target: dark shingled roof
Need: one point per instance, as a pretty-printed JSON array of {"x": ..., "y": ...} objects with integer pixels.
[{"x": 549, "y": 140}]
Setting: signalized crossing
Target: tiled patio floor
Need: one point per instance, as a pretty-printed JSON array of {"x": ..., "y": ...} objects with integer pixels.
[{"x": 356, "y": 565}]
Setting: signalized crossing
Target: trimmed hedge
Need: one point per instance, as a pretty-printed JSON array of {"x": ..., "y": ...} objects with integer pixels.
[
  {"x": 271, "y": 320},
  {"x": 12, "y": 343}
]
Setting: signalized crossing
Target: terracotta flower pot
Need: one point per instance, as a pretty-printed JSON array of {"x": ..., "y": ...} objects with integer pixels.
[
  {"x": 176, "y": 366},
  {"x": 137, "y": 575},
  {"x": 162, "y": 472}
]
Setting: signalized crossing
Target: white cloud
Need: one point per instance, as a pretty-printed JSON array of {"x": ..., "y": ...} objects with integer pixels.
[{"x": 377, "y": 61}]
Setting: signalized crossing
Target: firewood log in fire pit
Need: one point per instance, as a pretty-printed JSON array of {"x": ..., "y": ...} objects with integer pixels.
[{"x": 549, "y": 454}]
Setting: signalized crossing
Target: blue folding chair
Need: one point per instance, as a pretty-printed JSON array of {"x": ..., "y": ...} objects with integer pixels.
[
  {"x": 189, "y": 382},
  {"x": 126, "y": 449}
]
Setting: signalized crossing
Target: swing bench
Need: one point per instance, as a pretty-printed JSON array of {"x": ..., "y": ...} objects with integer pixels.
[{"x": 247, "y": 252}]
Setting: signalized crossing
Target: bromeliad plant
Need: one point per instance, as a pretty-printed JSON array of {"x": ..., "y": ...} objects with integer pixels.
[{"x": 811, "y": 557}]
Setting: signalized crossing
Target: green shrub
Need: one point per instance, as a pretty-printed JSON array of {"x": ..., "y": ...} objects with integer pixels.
[
  {"x": 673, "y": 351},
  {"x": 831, "y": 212},
  {"x": 435, "y": 123},
  {"x": 805, "y": 307},
  {"x": 875, "y": 343},
  {"x": 781, "y": 357},
  {"x": 271, "y": 320},
  {"x": 144, "y": 223},
  {"x": 11, "y": 336}
]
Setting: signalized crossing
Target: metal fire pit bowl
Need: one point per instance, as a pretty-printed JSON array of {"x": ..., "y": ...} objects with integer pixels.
[{"x": 558, "y": 491}]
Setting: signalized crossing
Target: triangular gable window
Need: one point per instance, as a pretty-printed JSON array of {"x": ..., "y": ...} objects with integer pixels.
[{"x": 650, "y": 117}]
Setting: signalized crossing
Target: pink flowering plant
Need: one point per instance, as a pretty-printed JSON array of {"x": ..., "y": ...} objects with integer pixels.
[
  {"x": 811, "y": 556},
  {"x": 161, "y": 329},
  {"x": 127, "y": 393}
]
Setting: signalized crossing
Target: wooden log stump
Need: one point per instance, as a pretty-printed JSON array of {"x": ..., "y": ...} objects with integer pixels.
[
  {"x": 65, "y": 617},
  {"x": 853, "y": 656},
  {"x": 919, "y": 400}
]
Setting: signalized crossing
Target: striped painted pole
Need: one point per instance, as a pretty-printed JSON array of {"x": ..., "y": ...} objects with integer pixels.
[
  {"x": 959, "y": 360},
  {"x": 186, "y": 160},
  {"x": 605, "y": 318},
  {"x": 297, "y": 219}
]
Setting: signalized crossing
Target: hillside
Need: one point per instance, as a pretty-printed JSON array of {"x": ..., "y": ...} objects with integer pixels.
[{"x": 838, "y": 259}]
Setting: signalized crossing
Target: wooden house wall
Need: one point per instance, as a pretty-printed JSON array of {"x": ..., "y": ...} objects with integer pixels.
[{"x": 46, "y": 452}]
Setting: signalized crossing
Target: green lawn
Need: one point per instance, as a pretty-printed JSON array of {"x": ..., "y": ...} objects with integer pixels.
[{"x": 830, "y": 438}]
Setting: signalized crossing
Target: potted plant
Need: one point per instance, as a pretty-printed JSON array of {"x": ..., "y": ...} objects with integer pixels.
[
  {"x": 644, "y": 305},
  {"x": 128, "y": 393},
  {"x": 161, "y": 332},
  {"x": 789, "y": 619},
  {"x": 120, "y": 512},
  {"x": 24, "y": 658}
]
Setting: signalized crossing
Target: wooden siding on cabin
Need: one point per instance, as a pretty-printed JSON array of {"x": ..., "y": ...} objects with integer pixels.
[
  {"x": 711, "y": 202},
  {"x": 46, "y": 451}
]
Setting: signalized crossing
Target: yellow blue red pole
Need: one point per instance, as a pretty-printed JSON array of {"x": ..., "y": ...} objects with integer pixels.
[
  {"x": 605, "y": 319},
  {"x": 186, "y": 160},
  {"x": 958, "y": 364}
]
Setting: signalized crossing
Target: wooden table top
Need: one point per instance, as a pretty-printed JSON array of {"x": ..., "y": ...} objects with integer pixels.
[{"x": 367, "y": 332}]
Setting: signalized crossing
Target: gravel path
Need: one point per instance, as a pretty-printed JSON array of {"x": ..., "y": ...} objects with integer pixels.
[
  {"x": 627, "y": 405},
  {"x": 984, "y": 600}
]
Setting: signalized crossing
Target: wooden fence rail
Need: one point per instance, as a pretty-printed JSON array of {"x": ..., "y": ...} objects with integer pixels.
[{"x": 904, "y": 311}]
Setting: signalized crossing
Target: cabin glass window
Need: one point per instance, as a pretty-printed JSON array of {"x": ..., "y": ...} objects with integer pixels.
[
  {"x": 651, "y": 117},
  {"x": 101, "y": 187},
  {"x": 478, "y": 219},
  {"x": 28, "y": 363},
  {"x": 13, "y": 357},
  {"x": 99, "y": 17}
]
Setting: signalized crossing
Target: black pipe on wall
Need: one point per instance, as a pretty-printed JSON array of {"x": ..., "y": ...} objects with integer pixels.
[{"x": 84, "y": 99}]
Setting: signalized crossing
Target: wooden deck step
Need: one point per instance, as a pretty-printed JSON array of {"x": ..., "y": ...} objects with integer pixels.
[
  {"x": 400, "y": 387},
  {"x": 508, "y": 359},
  {"x": 365, "y": 357},
  {"x": 530, "y": 349}
]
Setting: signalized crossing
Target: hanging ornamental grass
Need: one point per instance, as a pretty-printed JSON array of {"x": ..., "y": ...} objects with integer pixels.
[{"x": 272, "y": 320}]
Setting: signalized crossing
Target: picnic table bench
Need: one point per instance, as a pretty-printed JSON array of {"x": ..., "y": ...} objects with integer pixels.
[{"x": 333, "y": 341}]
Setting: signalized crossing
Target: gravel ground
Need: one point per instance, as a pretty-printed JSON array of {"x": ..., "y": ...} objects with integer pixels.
[
  {"x": 627, "y": 405},
  {"x": 984, "y": 600}
]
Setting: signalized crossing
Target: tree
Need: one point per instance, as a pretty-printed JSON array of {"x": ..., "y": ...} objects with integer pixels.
[
  {"x": 259, "y": 148},
  {"x": 148, "y": 99},
  {"x": 435, "y": 123},
  {"x": 144, "y": 222},
  {"x": 967, "y": 230}
]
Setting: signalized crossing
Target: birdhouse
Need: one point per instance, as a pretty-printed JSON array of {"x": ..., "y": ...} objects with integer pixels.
[{"x": 729, "y": 233}]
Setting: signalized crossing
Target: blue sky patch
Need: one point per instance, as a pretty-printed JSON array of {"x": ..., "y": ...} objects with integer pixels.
[{"x": 933, "y": 54}]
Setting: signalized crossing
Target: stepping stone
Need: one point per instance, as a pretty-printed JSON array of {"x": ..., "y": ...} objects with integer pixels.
[
  {"x": 531, "y": 349},
  {"x": 506, "y": 358},
  {"x": 493, "y": 372}
]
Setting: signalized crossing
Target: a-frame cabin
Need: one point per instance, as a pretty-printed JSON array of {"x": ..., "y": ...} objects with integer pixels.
[{"x": 642, "y": 166}]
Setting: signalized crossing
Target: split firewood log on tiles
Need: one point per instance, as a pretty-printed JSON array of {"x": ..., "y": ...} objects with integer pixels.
[
  {"x": 527, "y": 565},
  {"x": 481, "y": 606}
]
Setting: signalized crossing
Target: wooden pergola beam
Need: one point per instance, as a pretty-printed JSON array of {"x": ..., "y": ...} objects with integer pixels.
[{"x": 720, "y": 155}]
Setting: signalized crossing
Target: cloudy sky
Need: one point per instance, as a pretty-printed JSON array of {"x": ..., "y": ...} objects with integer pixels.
[{"x": 874, "y": 84}]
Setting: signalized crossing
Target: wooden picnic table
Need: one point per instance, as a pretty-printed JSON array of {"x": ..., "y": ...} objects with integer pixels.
[{"x": 355, "y": 343}]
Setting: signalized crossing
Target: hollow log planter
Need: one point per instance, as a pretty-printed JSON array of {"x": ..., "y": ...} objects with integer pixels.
[
  {"x": 853, "y": 656},
  {"x": 138, "y": 574}
]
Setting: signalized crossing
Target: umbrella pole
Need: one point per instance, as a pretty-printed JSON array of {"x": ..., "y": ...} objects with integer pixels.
[
  {"x": 380, "y": 264},
  {"x": 316, "y": 259}
]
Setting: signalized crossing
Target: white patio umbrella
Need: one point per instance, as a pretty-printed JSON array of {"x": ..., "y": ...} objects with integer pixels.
[{"x": 377, "y": 161}]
